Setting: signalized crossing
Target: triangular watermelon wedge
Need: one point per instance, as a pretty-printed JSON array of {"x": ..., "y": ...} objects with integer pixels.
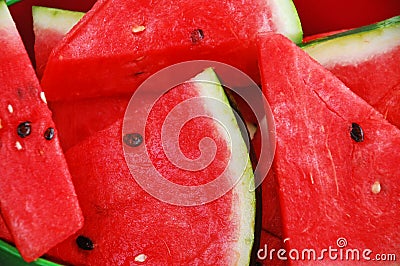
[
  {"x": 337, "y": 159},
  {"x": 122, "y": 43},
  {"x": 37, "y": 198},
  {"x": 367, "y": 60},
  {"x": 126, "y": 225}
]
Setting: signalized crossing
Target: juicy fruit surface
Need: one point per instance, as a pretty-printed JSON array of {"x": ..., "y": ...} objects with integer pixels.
[
  {"x": 126, "y": 224},
  {"x": 382, "y": 89},
  {"x": 271, "y": 209},
  {"x": 34, "y": 170},
  {"x": 49, "y": 26},
  {"x": 77, "y": 120},
  {"x": 132, "y": 211},
  {"x": 209, "y": 235},
  {"x": 122, "y": 51},
  {"x": 270, "y": 242},
  {"x": 314, "y": 113},
  {"x": 366, "y": 60}
]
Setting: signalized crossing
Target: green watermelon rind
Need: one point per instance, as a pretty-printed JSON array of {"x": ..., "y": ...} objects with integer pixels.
[
  {"x": 394, "y": 21},
  {"x": 59, "y": 20},
  {"x": 287, "y": 20},
  {"x": 356, "y": 45},
  {"x": 10, "y": 256},
  {"x": 246, "y": 196}
]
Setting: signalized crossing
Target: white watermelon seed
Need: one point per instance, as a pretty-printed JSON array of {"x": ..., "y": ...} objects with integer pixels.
[
  {"x": 0, "y": 125},
  {"x": 18, "y": 145},
  {"x": 10, "y": 109},
  {"x": 286, "y": 239},
  {"x": 376, "y": 187},
  {"x": 141, "y": 258},
  {"x": 137, "y": 29},
  {"x": 43, "y": 97}
]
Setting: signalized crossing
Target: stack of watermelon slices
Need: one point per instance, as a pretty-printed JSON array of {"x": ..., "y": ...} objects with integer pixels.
[
  {"x": 333, "y": 189},
  {"x": 220, "y": 232}
]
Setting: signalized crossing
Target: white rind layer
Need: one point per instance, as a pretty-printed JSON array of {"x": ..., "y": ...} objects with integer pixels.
[
  {"x": 355, "y": 48},
  {"x": 241, "y": 165},
  {"x": 6, "y": 20},
  {"x": 55, "y": 19},
  {"x": 286, "y": 19}
]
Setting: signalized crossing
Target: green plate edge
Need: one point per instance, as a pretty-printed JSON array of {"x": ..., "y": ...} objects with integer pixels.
[
  {"x": 393, "y": 21},
  {"x": 9, "y": 255},
  {"x": 10, "y": 2}
]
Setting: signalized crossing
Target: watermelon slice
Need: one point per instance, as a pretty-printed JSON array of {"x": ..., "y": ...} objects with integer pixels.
[
  {"x": 121, "y": 43},
  {"x": 38, "y": 201},
  {"x": 337, "y": 159},
  {"x": 124, "y": 224},
  {"x": 367, "y": 61},
  {"x": 50, "y": 25}
]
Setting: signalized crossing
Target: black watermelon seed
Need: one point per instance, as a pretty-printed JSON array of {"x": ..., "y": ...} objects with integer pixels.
[
  {"x": 138, "y": 73},
  {"x": 84, "y": 243},
  {"x": 49, "y": 133},
  {"x": 20, "y": 93},
  {"x": 197, "y": 35},
  {"x": 356, "y": 133},
  {"x": 24, "y": 129},
  {"x": 133, "y": 139}
]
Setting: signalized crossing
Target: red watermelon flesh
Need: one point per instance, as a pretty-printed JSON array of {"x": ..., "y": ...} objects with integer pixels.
[
  {"x": 271, "y": 209},
  {"x": 381, "y": 89},
  {"x": 310, "y": 38},
  {"x": 50, "y": 25},
  {"x": 121, "y": 43},
  {"x": 38, "y": 201},
  {"x": 77, "y": 120},
  {"x": 270, "y": 245},
  {"x": 4, "y": 233},
  {"x": 367, "y": 61},
  {"x": 127, "y": 225},
  {"x": 331, "y": 185}
]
